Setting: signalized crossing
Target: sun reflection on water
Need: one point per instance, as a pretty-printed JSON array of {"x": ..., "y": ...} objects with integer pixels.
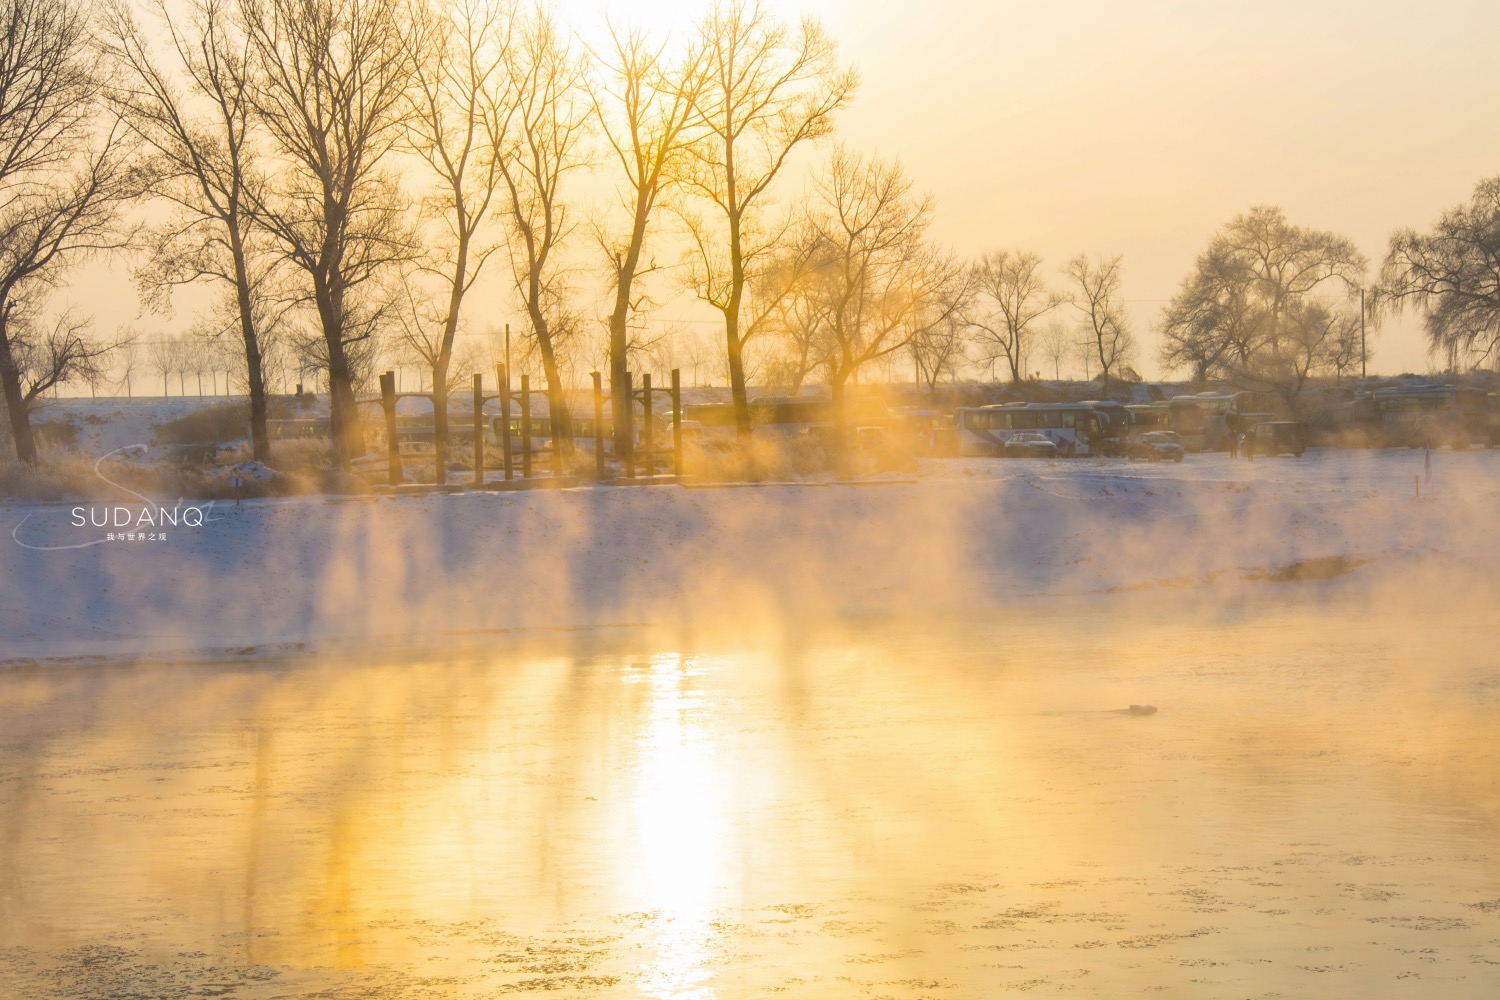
[
  {"x": 868, "y": 812},
  {"x": 680, "y": 827}
]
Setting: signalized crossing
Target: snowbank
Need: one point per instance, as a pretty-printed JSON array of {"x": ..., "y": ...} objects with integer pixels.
[{"x": 438, "y": 568}]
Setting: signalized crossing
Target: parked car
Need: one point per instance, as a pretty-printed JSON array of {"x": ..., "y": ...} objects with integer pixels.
[
  {"x": 1274, "y": 437},
  {"x": 1030, "y": 444},
  {"x": 1155, "y": 446}
]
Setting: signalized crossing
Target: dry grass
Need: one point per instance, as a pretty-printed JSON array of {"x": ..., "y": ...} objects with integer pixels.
[
  {"x": 213, "y": 424},
  {"x": 300, "y": 467},
  {"x": 60, "y": 475}
]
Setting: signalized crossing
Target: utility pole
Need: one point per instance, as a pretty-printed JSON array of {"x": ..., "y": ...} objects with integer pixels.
[
  {"x": 507, "y": 348},
  {"x": 1362, "y": 373}
]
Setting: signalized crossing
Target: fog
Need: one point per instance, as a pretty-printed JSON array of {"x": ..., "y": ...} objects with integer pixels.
[{"x": 425, "y": 570}]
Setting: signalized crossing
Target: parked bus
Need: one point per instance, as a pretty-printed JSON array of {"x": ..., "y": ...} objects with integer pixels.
[
  {"x": 1434, "y": 414},
  {"x": 1149, "y": 417},
  {"x": 1205, "y": 421},
  {"x": 1075, "y": 428},
  {"x": 1114, "y": 425}
]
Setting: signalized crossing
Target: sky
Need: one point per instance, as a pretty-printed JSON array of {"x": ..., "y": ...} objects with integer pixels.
[
  {"x": 1136, "y": 128},
  {"x": 1139, "y": 128}
]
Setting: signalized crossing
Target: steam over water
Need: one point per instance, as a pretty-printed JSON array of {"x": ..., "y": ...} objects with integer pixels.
[{"x": 952, "y": 806}]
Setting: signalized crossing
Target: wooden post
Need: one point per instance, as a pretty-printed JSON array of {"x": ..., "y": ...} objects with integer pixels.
[
  {"x": 629, "y": 426},
  {"x": 647, "y": 432},
  {"x": 598, "y": 427},
  {"x": 677, "y": 423},
  {"x": 502, "y": 377},
  {"x": 393, "y": 449},
  {"x": 526, "y": 426},
  {"x": 478, "y": 429}
]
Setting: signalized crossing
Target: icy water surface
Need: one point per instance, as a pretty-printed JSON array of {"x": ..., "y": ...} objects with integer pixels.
[{"x": 941, "y": 808}]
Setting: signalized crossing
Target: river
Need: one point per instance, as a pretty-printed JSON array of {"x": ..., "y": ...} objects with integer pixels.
[{"x": 893, "y": 807}]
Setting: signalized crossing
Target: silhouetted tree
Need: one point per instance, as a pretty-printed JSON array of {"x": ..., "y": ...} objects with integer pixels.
[
  {"x": 1097, "y": 284},
  {"x": 767, "y": 90},
  {"x": 1452, "y": 275},
  {"x": 204, "y": 147},
  {"x": 539, "y": 142},
  {"x": 330, "y": 84},
  {"x": 1250, "y": 314},
  {"x": 64, "y": 174},
  {"x": 1011, "y": 296},
  {"x": 646, "y": 109},
  {"x": 877, "y": 283},
  {"x": 459, "y": 53}
]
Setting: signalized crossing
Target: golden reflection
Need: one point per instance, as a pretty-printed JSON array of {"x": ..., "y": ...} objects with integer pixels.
[
  {"x": 858, "y": 812},
  {"x": 680, "y": 830}
]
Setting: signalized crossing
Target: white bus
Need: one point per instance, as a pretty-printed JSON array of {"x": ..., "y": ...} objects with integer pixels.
[{"x": 1076, "y": 428}]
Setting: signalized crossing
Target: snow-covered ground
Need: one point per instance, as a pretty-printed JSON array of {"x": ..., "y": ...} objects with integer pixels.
[
  {"x": 445, "y": 568},
  {"x": 108, "y": 423}
]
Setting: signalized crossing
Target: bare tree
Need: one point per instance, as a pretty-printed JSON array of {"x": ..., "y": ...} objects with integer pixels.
[
  {"x": 941, "y": 350},
  {"x": 197, "y": 357},
  {"x": 162, "y": 355},
  {"x": 539, "y": 142},
  {"x": 878, "y": 284},
  {"x": 52, "y": 353},
  {"x": 63, "y": 177},
  {"x": 767, "y": 90},
  {"x": 646, "y": 110},
  {"x": 204, "y": 145},
  {"x": 1451, "y": 275},
  {"x": 329, "y": 83},
  {"x": 1056, "y": 343},
  {"x": 1012, "y": 295},
  {"x": 127, "y": 357},
  {"x": 1250, "y": 313},
  {"x": 459, "y": 66},
  {"x": 1098, "y": 299}
]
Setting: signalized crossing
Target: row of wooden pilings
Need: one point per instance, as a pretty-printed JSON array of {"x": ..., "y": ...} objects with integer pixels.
[{"x": 645, "y": 459}]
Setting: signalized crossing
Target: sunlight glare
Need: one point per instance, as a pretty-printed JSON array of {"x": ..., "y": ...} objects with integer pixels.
[{"x": 681, "y": 828}]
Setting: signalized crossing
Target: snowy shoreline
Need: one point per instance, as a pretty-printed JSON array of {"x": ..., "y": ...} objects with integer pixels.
[{"x": 291, "y": 574}]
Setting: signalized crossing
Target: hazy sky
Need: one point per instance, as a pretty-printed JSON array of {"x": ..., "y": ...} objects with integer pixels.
[{"x": 1141, "y": 127}]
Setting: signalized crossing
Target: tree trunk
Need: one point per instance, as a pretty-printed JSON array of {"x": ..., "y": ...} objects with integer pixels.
[
  {"x": 619, "y": 392},
  {"x": 737, "y": 381},
  {"x": 735, "y": 345},
  {"x": 557, "y": 403},
  {"x": 836, "y": 384},
  {"x": 260, "y": 438},
  {"x": 619, "y": 365},
  {"x": 445, "y": 352},
  {"x": 348, "y": 441},
  {"x": 15, "y": 401},
  {"x": 440, "y": 419}
]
